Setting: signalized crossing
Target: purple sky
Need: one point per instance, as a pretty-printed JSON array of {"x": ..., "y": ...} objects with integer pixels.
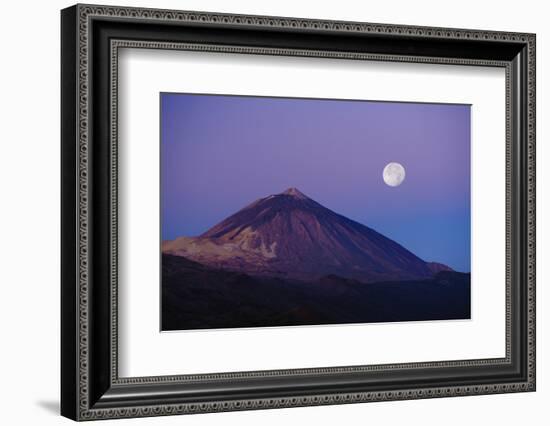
[{"x": 219, "y": 153}]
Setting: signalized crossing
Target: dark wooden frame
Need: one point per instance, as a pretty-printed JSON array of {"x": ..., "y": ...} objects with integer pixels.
[{"x": 90, "y": 386}]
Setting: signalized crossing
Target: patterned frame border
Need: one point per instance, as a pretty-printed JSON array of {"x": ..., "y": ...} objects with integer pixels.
[{"x": 86, "y": 13}]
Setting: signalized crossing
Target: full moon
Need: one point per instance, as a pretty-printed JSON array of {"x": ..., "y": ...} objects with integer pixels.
[{"x": 394, "y": 174}]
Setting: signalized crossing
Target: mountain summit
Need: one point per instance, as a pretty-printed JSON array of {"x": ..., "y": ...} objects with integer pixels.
[
  {"x": 289, "y": 235},
  {"x": 294, "y": 192}
]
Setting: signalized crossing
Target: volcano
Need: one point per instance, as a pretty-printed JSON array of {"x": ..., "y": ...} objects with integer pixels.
[{"x": 291, "y": 236}]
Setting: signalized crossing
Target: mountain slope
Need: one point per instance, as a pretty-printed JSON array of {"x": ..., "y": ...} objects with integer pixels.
[{"x": 289, "y": 235}]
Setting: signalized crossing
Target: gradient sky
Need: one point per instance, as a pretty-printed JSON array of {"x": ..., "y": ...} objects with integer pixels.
[{"x": 220, "y": 153}]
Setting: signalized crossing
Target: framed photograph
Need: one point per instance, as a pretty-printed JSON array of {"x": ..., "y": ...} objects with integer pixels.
[{"x": 263, "y": 212}]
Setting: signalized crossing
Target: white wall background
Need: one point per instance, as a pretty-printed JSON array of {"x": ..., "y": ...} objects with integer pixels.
[{"x": 29, "y": 212}]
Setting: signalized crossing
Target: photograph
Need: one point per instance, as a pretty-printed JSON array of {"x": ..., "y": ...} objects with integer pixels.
[
  {"x": 264, "y": 209},
  {"x": 280, "y": 211}
]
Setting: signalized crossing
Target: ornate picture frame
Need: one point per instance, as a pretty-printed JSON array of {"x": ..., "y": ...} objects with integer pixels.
[{"x": 91, "y": 37}]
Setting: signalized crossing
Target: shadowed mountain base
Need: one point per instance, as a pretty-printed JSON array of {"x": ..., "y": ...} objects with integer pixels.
[{"x": 195, "y": 296}]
